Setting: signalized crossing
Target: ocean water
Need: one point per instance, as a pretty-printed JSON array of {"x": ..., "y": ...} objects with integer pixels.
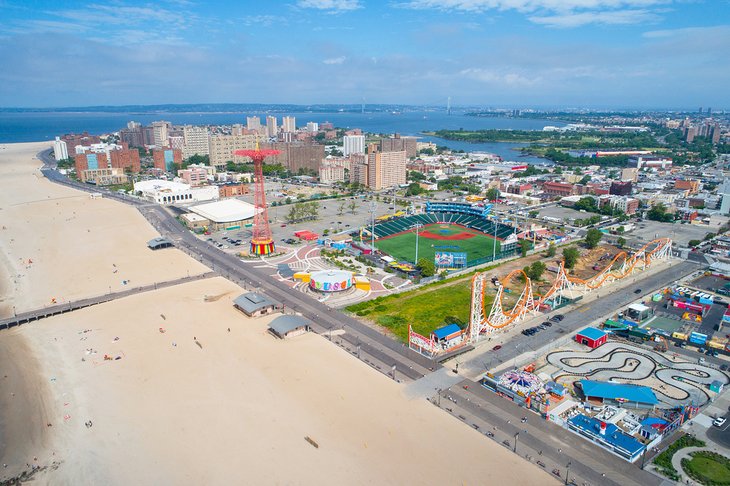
[{"x": 40, "y": 126}]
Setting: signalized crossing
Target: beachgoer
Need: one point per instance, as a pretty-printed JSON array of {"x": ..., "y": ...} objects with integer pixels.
[{"x": 229, "y": 329}]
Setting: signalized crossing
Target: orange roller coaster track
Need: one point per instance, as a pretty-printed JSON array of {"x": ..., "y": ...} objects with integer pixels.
[{"x": 481, "y": 322}]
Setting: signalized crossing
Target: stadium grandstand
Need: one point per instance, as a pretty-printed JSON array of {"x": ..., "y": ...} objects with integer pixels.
[{"x": 468, "y": 215}]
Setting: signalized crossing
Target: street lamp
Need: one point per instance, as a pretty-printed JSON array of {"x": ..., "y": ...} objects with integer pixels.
[
  {"x": 567, "y": 472},
  {"x": 494, "y": 240},
  {"x": 517, "y": 434}
]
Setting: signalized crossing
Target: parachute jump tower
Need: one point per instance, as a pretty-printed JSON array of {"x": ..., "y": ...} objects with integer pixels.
[{"x": 262, "y": 243}]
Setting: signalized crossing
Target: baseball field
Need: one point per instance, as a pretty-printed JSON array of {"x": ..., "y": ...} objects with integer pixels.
[{"x": 438, "y": 238}]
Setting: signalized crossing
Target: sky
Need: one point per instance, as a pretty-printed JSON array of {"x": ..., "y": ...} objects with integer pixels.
[{"x": 669, "y": 54}]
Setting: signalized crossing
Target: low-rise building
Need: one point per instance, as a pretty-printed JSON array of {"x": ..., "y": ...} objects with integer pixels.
[
  {"x": 557, "y": 188},
  {"x": 650, "y": 161},
  {"x": 254, "y": 304},
  {"x": 103, "y": 177},
  {"x": 233, "y": 189},
  {"x": 194, "y": 176},
  {"x": 171, "y": 192}
]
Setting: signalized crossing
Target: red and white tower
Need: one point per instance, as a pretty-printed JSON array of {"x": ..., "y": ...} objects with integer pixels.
[{"x": 262, "y": 242}]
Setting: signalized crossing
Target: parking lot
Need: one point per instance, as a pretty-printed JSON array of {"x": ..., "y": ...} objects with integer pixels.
[{"x": 646, "y": 231}]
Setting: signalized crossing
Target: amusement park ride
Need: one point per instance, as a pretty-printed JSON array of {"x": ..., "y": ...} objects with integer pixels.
[
  {"x": 484, "y": 321},
  {"x": 622, "y": 265},
  {"x": 262, "y": 243}
]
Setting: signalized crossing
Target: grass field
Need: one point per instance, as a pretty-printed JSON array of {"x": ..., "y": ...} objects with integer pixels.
[
  {"x": 425, "y": 309},
  {"x": 708, "y": 468},
  {"x": 403, "y": 246}
]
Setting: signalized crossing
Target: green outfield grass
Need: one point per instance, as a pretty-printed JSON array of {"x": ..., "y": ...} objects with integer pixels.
[{"x": 403, "y": 247}]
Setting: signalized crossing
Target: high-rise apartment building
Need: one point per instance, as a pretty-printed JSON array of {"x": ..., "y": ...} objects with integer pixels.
[
  {"x": 196, "y": 141},
  {"x": 299, "y": 157},
  {"x": 386, "y": 169},
  {"x": 237, "y": 129},
  {"x": 223, "y": 146},
  {"x": 60, "y": 149},
  {"x": 359, "y": 169},
  {"x": 167, "y": 159},
  {"x": 398, "y": 143},
  {"x": 271, "y": 127},
  {"x": 312, "y": 127},
  {"x": 353, "y": 144},
  {"x": 176, "y": 142},
  {"x": 160, "y": 133},
  {"x": 132, "y": 135},
  {"x": 253, "y": 123},
  {"x": 125, "y": 159},
  {"x": 289, "y": 124}
]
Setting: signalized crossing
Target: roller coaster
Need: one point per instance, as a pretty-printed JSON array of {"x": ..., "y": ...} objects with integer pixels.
[{"x": 498, "y": 317}]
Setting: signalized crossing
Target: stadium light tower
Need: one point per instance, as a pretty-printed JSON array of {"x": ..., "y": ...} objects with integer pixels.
[
  {"x": 494, "y": 240},
  {"x": 373, "y": 208},
  {"x": 417, "y": 226}
]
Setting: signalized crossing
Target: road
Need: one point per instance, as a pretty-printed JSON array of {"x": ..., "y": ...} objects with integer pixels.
[
  {"x": 579, "y": 317},
  {"x": 391, "y": 354},
  {"x": 588, "y": 462}
]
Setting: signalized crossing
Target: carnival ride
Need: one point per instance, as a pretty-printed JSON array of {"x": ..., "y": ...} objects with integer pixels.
[
  {"x": 262, "y": 242},
  {"x": 497, "y": 317}
]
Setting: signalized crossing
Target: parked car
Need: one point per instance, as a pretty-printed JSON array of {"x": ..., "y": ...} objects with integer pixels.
[
  {"x": 719, "y": 421},
  {"x": 497, "y": 347},
  {"x": 637, "y": 291}
]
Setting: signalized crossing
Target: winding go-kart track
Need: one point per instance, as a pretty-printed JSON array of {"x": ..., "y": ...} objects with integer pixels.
[{"x": 674, "y": 383}]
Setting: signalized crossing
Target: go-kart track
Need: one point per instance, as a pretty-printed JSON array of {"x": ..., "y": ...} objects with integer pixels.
[{"x": 674, "y": 383}]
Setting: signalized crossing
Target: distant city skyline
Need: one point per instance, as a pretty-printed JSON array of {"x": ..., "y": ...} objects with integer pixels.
[{"x": 521, "y": 53}]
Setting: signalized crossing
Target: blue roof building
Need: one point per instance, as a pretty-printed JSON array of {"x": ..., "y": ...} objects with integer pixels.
[
  {"x": 447, "y": 331},
  {"x": 612, "y": 438},
  {"x": 620, "y": 394}
]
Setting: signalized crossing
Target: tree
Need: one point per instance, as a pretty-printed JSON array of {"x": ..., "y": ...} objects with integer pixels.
[
  {"x": 694, "y": 243},
  {"x": 571, "y": 255},
  {"x": 534, "y": 213},
  {"x": 341, "y": 208},
  {"x": 585, "y": 180},
  {"x": 550, "y": 250},
  {"x": 414, "y": 189},
  {"x": 525, "y": 247},
  {"x": 426, "y": 267},
  {"x": 353, "y": 206},
  {"x": 536, "y": 270},
  {"x": 416, "y": 176},
  {"x": 620, "y": 242},
  {"x": 492, "y": 194},
  {"x": 658, "y": 212},
  {"x": 593, "y": 237}
]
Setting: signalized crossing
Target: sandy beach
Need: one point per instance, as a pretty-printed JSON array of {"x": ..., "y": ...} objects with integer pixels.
[
  {"x": 181, "y": 399},
  {"x": 59, "y": 244}
]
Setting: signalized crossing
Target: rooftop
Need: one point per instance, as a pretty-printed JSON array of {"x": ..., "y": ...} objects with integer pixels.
[
  {"x": 225, "y": 210},
  {"x": 442, "y": 332},
  {"x": 287, "y": 323},
  {"x": 614, "y": 436},
  {"x": 252, "y": 301},
  {"x": 619, "y": 391},
  {"x": 592, "y": 333}
]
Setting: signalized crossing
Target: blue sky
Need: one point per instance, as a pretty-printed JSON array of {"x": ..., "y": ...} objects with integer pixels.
[{"x": 521, "y": 53}]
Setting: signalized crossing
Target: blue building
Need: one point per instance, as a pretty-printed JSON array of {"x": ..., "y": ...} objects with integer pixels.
[
  {"x": 609, "y": 436},
  {"x": 619, "y": 394}
]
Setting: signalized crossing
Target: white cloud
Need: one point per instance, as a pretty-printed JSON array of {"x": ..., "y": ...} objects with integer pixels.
[
  {"x": 689, "y": 32},
  {"x": 614, "y": 17},
  {"x": 490, "y": 76},
  {"x": 331, "y": 5},
  {"x": 335, "y": 60},
  {"x": 556, "y": 13}
]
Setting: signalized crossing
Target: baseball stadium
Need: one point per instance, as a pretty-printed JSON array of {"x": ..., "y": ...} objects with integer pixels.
[{"x": 453, "y": 235}]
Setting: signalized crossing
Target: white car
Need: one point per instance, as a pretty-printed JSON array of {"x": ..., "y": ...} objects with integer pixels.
[{"x": 719, "y": 422}]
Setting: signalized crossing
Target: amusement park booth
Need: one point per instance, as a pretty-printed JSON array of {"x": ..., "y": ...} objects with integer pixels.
[
  {"x": 639, "y": 312},
  {"x": 448, "y": 336},
  {"x": 591, "y": 337}
]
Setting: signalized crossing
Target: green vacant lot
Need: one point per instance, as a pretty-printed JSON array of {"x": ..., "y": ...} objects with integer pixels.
[
  {"x": 425, "y": 309},
  {"x": 403, "y": 247}
]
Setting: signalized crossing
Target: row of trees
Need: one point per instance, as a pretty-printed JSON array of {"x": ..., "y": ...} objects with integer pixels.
[{"x": 303, "y": 211}]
